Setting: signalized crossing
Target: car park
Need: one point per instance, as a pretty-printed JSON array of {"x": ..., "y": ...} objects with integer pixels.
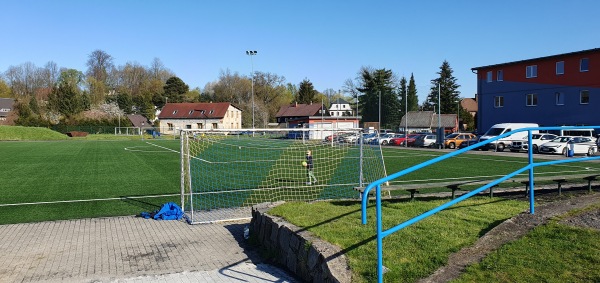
[
  {"x": 454, "y": 140},
  {"x": 536, "y": 139}
]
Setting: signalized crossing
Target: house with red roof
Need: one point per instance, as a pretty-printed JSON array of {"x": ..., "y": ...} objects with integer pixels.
[{"x": 178, "y": 116}]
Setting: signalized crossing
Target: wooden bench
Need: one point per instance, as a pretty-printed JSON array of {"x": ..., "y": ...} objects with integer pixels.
[{"x": 456, "y": 185}]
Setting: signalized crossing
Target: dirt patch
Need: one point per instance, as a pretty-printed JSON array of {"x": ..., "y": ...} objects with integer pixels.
[{"x": 547, "y": 205}]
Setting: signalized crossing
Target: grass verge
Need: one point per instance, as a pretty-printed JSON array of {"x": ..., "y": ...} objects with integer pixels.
[{"x": 411, "y": 253}]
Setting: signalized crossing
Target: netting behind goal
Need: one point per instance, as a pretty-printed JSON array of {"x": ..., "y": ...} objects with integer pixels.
[{"x": 225, "y": 173}]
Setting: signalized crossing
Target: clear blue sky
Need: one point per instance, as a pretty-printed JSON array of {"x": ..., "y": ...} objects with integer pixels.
[{"x": 326, "y": 42}]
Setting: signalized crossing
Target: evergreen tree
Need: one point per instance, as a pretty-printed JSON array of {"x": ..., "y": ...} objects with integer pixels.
[
  {"x": 175, "y": 90},
  {"x": 306, "y": 92},
  {"x": 66, "y": 98},
  {"x": 413, "y": 99},
  {"x": 448, "y": 91},
  {"x": 379, "y": 85},
  {"x": 402, "y": 95}
]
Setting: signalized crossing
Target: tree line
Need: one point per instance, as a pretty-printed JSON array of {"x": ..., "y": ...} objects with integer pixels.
[{"x": 51, "y": 95}]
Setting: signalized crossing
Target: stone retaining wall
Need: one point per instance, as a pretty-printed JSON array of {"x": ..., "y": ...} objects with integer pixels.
[{"x": 297, "y": 250}]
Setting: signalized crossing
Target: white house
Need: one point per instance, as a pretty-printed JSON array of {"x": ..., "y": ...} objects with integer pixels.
[
  {"x": 222, "y": 115},
  {"x": 340, "y": 107}
]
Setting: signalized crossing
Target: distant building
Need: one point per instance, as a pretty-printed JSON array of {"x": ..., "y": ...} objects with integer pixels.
[
  {"x": 427, "y": 121},
  {"x": 340, "y": 107},
  {"x": 313, "y": 116},
  {"x": 555, "y": 90},
  {"x": 176, "y": 116},
  {"x": 6, "y": 106}
]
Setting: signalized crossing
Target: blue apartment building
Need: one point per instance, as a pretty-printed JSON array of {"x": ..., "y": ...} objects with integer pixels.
[{"x": 557, "y": 90}]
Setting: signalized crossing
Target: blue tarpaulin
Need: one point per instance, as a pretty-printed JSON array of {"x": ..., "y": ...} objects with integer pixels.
[{"x": 168, "y": 211}]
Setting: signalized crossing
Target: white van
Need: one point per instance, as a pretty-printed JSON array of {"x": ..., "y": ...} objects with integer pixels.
[
  {"x": 499, "y": 129},
  {"x": 573, "y": 132}
]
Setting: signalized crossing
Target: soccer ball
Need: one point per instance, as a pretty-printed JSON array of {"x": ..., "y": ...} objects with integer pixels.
[{"x": 304, "y": 163}]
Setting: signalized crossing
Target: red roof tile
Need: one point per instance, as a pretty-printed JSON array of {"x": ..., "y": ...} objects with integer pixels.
[{"x": 194, "y": 110}]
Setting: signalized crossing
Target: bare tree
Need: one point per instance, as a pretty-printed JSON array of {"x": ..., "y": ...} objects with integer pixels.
[{"x": 99, "y": 64}]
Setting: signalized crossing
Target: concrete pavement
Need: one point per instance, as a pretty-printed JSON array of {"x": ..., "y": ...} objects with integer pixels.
[{"x": 130, "y": 249}]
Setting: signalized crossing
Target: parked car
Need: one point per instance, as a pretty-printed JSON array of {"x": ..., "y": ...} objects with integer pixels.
[
  {"x": 454, "y": 140},
  {"x": 536, "y": 139},
  {"x": 427, "y": 140},
  {"x": 469, "y": 142},
  {"x": 385, "y": 139},
  {"x": 583, "y": 145},
  {"x": 557, "y": 145},
  {"x": 411, "y": 139},
  {"x": 398, "y": 140}
]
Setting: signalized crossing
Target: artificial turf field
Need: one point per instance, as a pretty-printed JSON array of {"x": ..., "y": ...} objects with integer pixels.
[{"x": 88, "y": 178}]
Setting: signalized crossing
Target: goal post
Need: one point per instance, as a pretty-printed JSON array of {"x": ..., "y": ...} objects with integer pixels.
[
  {"x": 226, "y": 172},
  {"x": 128, "y": 131}
]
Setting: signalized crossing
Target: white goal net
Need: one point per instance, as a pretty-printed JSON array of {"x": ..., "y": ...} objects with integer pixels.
[{"x": 226, "y": 172}]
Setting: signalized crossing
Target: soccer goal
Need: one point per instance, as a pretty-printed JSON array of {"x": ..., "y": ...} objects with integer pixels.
[
  {"x": 225, "y": 172},
  {"x": 127, "y": 131}
]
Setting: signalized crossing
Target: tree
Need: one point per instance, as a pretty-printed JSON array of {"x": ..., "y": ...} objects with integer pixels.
[
  {"x": 448, "y": 91},
  {"x": 375, "y": 86},
  {"x": 413, "y": 99},
  {"x": 67, "y": 98},
  {"x": 4, "y": 89},
  {"x": 306, "y": 92},
  {"x": 403, "y": 96},
  {"x": 99, "y": 64},
  {"x": 175, "y": 89}
]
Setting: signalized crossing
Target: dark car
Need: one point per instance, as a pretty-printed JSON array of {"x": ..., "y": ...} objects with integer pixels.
[{"x": 469, "y": 142}]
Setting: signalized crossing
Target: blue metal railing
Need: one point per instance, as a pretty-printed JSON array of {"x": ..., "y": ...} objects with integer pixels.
[{"x": 530, "y": 167}]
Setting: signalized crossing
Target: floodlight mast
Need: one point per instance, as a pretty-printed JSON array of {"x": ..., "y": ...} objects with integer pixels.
[{"x": 252, "y": 53}]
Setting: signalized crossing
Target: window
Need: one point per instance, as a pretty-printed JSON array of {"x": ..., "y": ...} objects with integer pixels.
[
  {"x": 174, "y": 112},
  {"x": 215, "y": 126},
  {"x": 489, "y": 76},
  {"x": 200, "y": 126},
  {"x": 531, "y": 71},
  {"x": 500, "y": 75},
  {"x": 191, "y": 111},
  {"x": 560, "y": 67},
  {"x": 531, "y": 99},
  {"x": 584, "y": 65},
  {"x": 211, "y": 111},
  {"x": 170, "y": 125},
  {"x": 202, "y": 111},
  {"x": 584, "y": 97},
  {"x": 188, "y": 126},
  {"x": 560, "y": 98},
  {"x": 498, "y": 101}
]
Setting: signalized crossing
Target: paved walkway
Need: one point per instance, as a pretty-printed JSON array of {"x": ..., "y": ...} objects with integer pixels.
[{"x": 130, "y": 249}]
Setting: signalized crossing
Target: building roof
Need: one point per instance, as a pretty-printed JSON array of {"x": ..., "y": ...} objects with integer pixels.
[
  {"x": 139, "y": 120},
  {"x": 194, "y": 110},
  {"x": 340, "y": 101},
  {"x": 469, "y": 104},
  {"x": 299, "y": 110},
  {"x": 428, "y": 119},
  {"x": 539, "y": 58},
  {"x": 6, "y": 105}
]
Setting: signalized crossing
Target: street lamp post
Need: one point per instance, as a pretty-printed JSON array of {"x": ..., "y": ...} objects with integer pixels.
[
  {"x": 458, "y": 115},
  {"x": 440, "y": 132},
  {"x": 252, "y": 53}
]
